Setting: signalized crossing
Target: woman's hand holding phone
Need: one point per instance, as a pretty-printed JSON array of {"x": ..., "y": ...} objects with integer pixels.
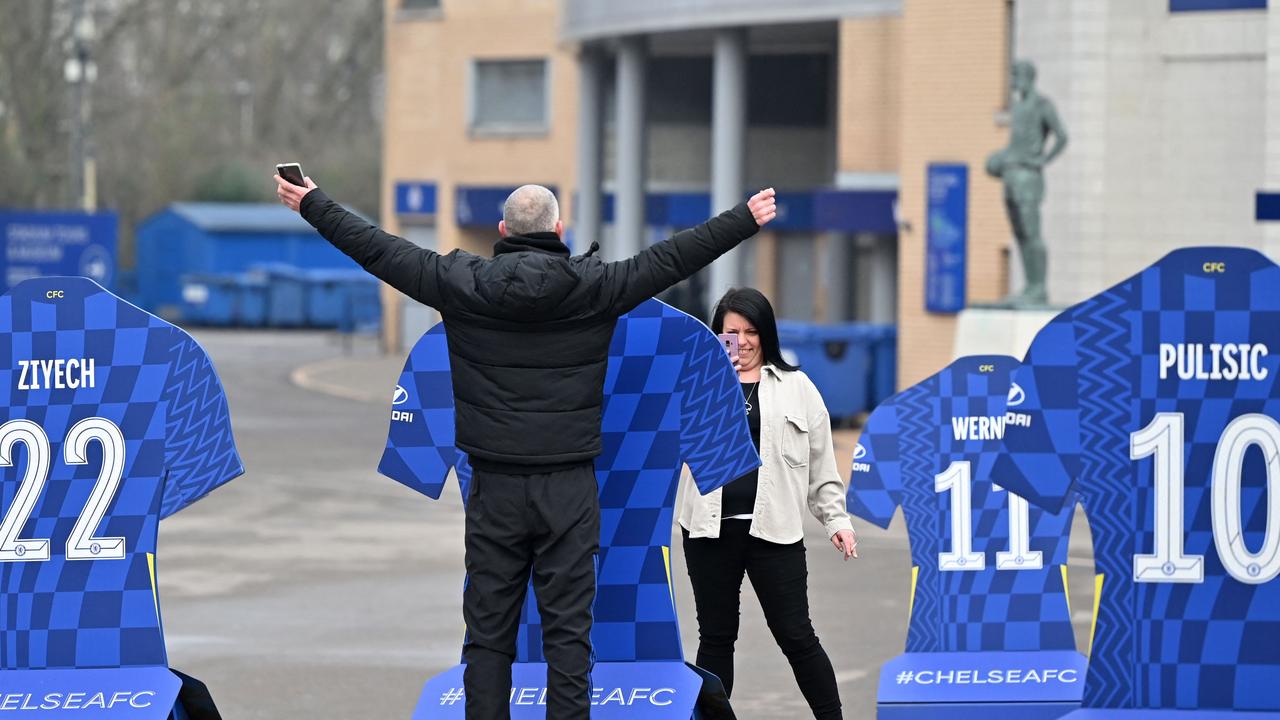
[{"x": 730, "y": 343}]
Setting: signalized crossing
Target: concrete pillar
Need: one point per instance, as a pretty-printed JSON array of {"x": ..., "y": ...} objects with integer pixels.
[
  {"x": 728, "y": 143},
  {"x": 586, "y": 211},
  {"x": 883, "y": 280},
  {"x": 835, "y": 251},
  {"x": 631, "y": 142}
]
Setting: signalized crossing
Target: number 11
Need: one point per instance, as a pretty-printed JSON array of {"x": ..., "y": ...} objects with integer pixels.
[{"x": 958, "y": 479}]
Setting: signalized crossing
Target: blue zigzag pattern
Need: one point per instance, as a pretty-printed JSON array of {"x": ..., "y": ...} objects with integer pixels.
[
  {"x": 706, "y": 385},
  {"x": 916, "y": 440},
  {"x": 1104, "y": 357},
  {"x": 200, "y": 451}
]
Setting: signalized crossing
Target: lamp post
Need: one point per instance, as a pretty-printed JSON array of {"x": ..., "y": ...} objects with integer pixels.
[{"x": 80, "y": 71}]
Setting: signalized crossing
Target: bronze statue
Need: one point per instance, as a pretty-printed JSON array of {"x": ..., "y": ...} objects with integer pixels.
[{"x": 1021, "y": 167}]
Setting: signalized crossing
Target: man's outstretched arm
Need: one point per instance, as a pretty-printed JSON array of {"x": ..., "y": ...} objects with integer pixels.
[
  {"x": 634, "y": 280},
  {"x": 404, "y": 266}
]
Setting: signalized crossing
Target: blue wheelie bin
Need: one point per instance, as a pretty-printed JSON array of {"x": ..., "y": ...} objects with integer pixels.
[
  {"x": 208, "y": 299},
  {"x": 343, "y": 299},
  {"x": 837, "y": 358},
  {"x": 884, "y": 363},
  {"x": 364, "y": 307},
  {"x": 286, "y": 294},
  {"x": 251, "y": 300}
]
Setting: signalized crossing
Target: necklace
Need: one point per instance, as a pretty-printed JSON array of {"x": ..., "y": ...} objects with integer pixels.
[{"x": 751, "y": 395}]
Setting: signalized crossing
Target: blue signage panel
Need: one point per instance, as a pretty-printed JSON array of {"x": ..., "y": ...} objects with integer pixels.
[
  {"x": 839, "y": 210},
  {"x": 946, "y": 237},
  {"x": 795, "y": 211},
  {"x": 970, "y": 677},
  {"x": 984, "y": 711},
  {"x": 1210, "y": 5},
  {"x": 1105, "y": 714},
  {"x": 40, "y": 244},
  {"x": 677, "y": 210},
  {"x": 415, "y": 197},
  {"x": 685, "y": 210},
  {"x": 1268, "y": 206},
  {"x": 634, "y": 691},
  {"x": 856, "y": 211},
  {"x": 139, "y": 693},
  {"x": 480, "y": 206}
]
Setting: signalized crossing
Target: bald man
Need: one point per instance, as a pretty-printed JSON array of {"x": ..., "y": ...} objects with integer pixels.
[{"x": 529, "y": 332}]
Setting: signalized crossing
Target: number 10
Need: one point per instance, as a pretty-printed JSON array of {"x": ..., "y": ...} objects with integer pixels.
[{"x": 1163, "y": 438}]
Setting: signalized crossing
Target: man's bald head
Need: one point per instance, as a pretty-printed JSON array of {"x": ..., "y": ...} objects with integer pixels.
[{"x": 530, "y": 209}]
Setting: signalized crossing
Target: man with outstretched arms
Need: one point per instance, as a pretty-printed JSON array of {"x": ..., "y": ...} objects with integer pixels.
[{"x": 529, "y": 332}]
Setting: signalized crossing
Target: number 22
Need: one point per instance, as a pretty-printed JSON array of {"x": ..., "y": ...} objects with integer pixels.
[{"x": 81, "y": 545}]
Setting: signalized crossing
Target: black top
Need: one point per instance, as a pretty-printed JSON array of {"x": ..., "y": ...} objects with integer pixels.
[
  {"x": 740, "y": 495},
  {"x": 529, "y": 329}
]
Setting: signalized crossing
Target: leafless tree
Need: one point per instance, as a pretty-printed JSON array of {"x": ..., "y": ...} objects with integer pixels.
[{"x": 194, "y": 99}]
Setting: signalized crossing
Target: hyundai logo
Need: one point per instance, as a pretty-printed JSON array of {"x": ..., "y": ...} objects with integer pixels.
[
  {"x": 400, "y": 397},
  {"x": 859, "y": 452},
  {"x": 1016, "y": 395}
]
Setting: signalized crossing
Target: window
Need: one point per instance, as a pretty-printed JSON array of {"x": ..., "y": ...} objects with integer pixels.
[
  {"x": 509, "y": 96},
  {"x": 419, "y": 10}
]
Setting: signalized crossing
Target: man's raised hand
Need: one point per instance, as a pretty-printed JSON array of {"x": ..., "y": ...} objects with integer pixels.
[
  {"x": 763, "y": 206},
  {"x": 290, "y": 194}
]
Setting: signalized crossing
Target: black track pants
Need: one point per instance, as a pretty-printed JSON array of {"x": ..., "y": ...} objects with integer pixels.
[
  {"x": 546, "y": 526},
  {"x": 781, "y": 580}
]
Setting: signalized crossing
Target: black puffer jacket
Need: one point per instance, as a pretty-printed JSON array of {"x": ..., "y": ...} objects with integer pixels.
[{"x": 529, "y": 329}]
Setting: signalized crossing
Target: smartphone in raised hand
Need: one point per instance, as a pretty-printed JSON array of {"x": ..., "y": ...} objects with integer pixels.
[
  {"x": 291, "y": 172},
  {"x": 730, "y": 343}
]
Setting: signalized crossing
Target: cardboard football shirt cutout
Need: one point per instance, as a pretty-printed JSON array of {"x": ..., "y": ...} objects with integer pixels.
[
  {"x": 988, "y": 569},
  {"x": 113, "y": 419},
  {"x": 671, "y": 399},
  {"x": 1156, "y": 402}
]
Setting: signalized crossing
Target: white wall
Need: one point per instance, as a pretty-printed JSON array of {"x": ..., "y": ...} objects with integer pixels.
[
  {"x": 1167, "y": 121},
  {"x": 1272, "y": 230}
]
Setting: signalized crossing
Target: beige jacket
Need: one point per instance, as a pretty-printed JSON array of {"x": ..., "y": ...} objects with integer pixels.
[{"x": 798, "y": 470}]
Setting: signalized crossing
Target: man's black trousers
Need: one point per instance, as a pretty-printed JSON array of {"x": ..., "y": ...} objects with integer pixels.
[{"x": 546, "y": 526}]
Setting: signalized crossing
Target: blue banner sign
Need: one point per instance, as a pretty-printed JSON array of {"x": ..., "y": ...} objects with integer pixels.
[
  {"x": 481, "y": 206},
  {"x": 970, "y": 677},
  {"x": 415, "y": 198},
  {"x": 946, "y": 237},
  {"x": 144, "y": 693},
  {"x": 634, "y": 691},
  {"x": 856, "y": 211},
  {"x": 1215, "y": 5},
  {"x": 40, "y": 244},
  {"x": 1108, "y": 714},
  {"x": 795, "y": 211},
  {"x": 1267, "y": 206},
  {"x": 806, "y": 210}
]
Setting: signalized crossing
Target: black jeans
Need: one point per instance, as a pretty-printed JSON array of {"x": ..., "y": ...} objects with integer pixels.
[
  {"x": 781, "y": 579},
  {"x": 547, "y": 525}
]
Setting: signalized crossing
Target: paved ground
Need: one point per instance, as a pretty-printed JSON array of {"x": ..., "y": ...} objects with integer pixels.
[{"x": 312, "y": 587}]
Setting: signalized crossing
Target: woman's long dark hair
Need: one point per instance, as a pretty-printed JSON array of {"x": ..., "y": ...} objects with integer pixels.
[{"x": 751, "y": 304}]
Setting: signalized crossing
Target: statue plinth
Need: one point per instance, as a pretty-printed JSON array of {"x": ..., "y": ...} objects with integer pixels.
[{"x": 999, "y": 330}]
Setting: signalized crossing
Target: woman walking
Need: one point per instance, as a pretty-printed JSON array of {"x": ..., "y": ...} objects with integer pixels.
[{"x": 753, "y": 525}]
